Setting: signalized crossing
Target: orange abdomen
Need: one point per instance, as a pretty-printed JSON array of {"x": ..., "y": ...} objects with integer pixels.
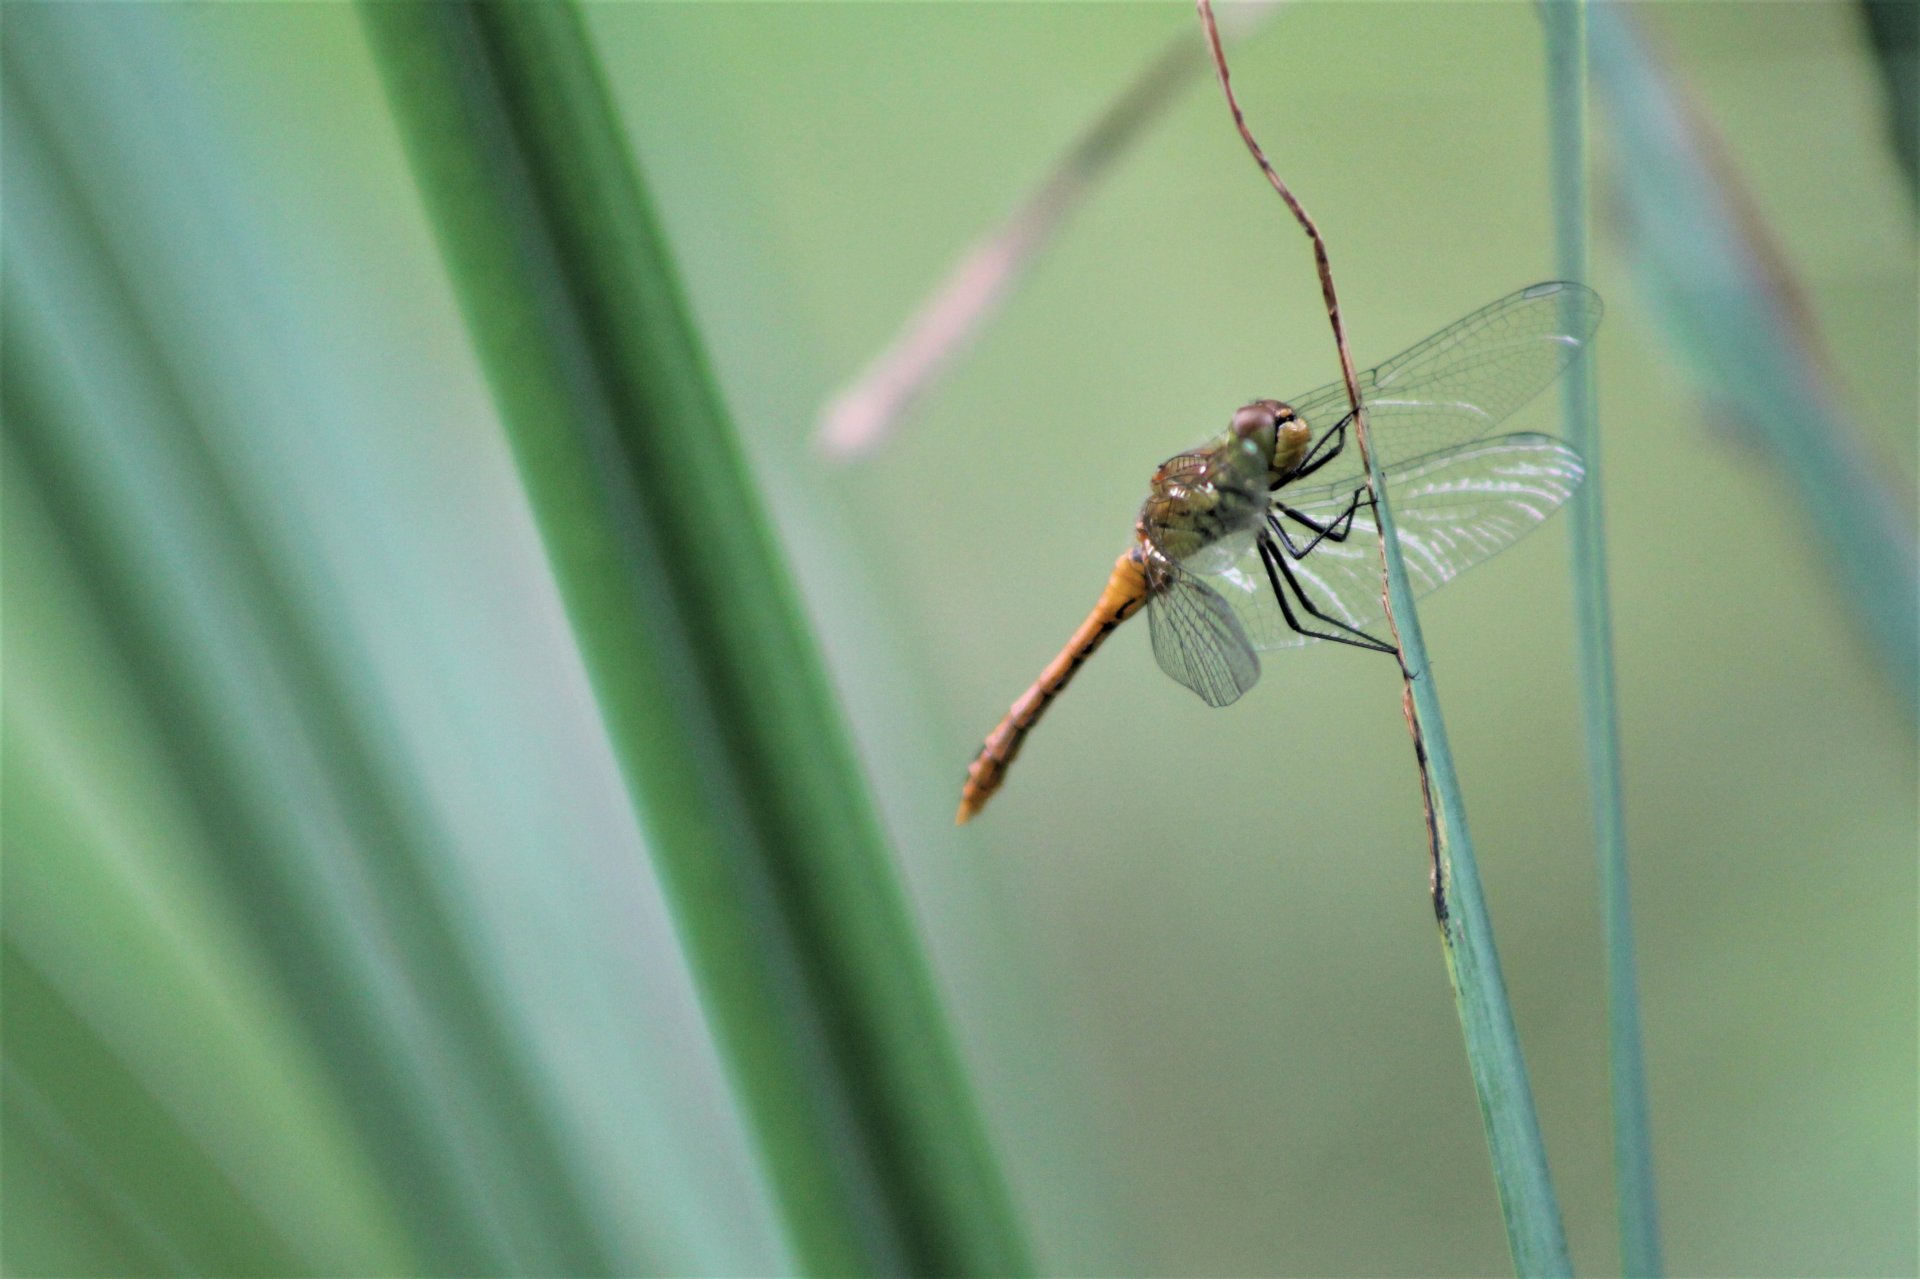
[{"x": 1126, "y": 591}]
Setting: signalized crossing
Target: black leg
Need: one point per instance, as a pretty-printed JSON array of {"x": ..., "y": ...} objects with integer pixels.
[
  {"x": 1322, "y": 533},
  {"x": 1336, "y": 530},
  {"x": 1362, "y": 639},
  {"x": 1277, "y": 570}
]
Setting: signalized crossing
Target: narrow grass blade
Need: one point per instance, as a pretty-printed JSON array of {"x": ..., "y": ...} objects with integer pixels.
[
  {"x": 708, "y": 682},
  {"x": 1535, "y": 1234},
  {"x": 1566, "y": 41},
  {"x": 1720, "y": 289}
]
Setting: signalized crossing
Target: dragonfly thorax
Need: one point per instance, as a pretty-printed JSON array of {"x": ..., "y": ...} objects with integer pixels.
[{"x": 1206, "y": 505}]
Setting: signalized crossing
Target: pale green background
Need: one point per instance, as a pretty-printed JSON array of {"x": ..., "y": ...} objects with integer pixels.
[{"x": 1190, "y": 952}]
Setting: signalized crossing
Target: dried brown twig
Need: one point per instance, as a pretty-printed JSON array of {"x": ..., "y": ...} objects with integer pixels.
[{"x": 1352, "y": 380}]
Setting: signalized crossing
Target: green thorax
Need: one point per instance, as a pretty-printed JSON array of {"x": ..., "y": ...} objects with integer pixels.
[{"x": 1205, "y": 505}]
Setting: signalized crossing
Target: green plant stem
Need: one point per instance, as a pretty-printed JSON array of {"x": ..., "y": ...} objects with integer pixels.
[
  {"x": 714, "y": 698},
  {"x": 1566, "y": 42},
  {"x": 1535, "y": 1235}
]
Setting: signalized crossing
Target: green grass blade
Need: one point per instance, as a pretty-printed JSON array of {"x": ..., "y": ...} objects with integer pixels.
[
  {"x": 1707, "y": 275},
  {"x": 714, "y": 698},
  {"x": 1565, "y": 22},
  {"x": 1535, "y": 1235}
]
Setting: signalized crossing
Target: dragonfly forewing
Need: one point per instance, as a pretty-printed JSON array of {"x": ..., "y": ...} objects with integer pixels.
[
  {"x": 1459, "y": 384},
  {"x": 1454, "y": 509}
]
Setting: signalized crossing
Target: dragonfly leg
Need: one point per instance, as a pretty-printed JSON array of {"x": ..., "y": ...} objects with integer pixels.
[
  {"x": 1322, "y": 532},
  {"x": 1335, "y": 530},
  {"x": 1277, "y": 570},
  {"x": 1320, "y": 454}
]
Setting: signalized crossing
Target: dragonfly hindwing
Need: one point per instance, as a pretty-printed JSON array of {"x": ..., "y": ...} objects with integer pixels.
[{"x": 1197, "y": 638}]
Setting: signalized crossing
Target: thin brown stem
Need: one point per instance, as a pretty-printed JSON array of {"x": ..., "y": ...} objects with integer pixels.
[{"x": 1352, "y": 379}]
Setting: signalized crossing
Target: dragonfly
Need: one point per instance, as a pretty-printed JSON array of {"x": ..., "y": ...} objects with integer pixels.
[{"x": 1264, "y": 537}]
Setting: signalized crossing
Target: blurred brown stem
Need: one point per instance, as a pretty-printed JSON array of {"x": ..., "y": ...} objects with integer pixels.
[{"x": 857, "y": 419}]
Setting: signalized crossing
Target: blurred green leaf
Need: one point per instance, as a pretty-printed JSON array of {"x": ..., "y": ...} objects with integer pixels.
[
  {"x": 718, "y": 709},
  {"x": 318, "y": 843},
  {"x": 75, "y": 1093},
  {"x": 1718, "y": 289}
]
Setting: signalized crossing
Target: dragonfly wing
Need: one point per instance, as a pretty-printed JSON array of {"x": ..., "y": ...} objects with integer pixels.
[
  {"x": 1197, "y": 637},
  {"x": 1454, "y": 509},
  {"x": 1459, "y": 384}
]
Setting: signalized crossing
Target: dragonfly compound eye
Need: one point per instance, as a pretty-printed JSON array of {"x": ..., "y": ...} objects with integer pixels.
[{"x": 1253, "y": 419}]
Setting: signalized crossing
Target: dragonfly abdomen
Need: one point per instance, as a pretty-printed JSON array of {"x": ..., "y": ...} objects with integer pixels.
[{"x": 1126, "y": 591}]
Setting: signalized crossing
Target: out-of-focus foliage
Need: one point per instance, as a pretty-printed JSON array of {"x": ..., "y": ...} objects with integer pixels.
[
  {"x": 712, "y": 692},
  {"x": 1893, "y": 26},
  {"x": 1723, "y": 294},
  {"x": 330, "y": 941},
  {"x": 328, "y": 947}
]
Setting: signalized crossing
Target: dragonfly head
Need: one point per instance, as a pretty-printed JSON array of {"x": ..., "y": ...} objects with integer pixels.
[{"x": 1275, "y": 431}]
